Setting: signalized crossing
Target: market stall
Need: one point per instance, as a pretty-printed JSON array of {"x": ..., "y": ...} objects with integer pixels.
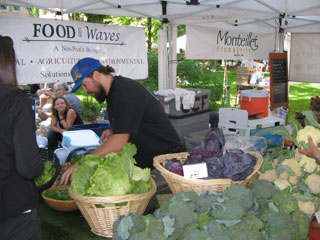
[{"x": 252, "y": 162}]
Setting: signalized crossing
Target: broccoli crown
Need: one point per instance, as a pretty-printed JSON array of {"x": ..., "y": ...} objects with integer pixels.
[
  {"x": 263, "y": 189},
  {"x": 254, "y": 222},
  {"x": 220, "y": 216},
  {"x": 282, "y": 222},
  {"x": 304, "y": 223},
  {"x": 205, "y": 201},
  {"x": 285, "y": 200},
  {"x": 193, "y": 233},
  {"x": 240, "y": 194},
  {"x": 217, "y": 230},
  {"x": 242, "y": 231},
  {"x": 228, "y": 210},
  {"x": 182, "y": 212}
]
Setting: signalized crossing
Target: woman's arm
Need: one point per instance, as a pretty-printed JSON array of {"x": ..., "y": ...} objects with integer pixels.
[
  {"x": 54, "y": 127},
  {"x": 69, "y": 119}
]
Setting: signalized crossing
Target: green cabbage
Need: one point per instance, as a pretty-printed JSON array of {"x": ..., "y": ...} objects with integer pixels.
[{"x": 114, "y": 174}]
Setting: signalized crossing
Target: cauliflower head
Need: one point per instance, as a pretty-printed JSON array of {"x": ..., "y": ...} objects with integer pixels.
[
  {"x": 307, "y": 207},
  {"x": 294, "y": 165},
  {"x": 270, "y": 175},
  {"x": 308, "y": 130},
  {"x": 309, "y": 165},
  {"x": 313, "y": 182},
  {"x": 282, "y": 183}
]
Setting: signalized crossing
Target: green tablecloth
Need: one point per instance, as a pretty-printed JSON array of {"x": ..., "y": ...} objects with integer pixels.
[{"x": 57, "y": 225}]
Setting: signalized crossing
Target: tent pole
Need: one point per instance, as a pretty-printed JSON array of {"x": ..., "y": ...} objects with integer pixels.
[
  {"x": 162, "y": 59},
  {"x": 172, "y": 67}
]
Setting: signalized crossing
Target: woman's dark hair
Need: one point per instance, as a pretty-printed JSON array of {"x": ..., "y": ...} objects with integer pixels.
[
  {"x": 106, "y": 70},
  {"x": 7, "y": 62},
  {"x": 55, "y": 112}
]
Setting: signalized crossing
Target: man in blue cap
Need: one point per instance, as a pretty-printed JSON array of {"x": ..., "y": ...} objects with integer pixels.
[{"x": 135, "y": 114}]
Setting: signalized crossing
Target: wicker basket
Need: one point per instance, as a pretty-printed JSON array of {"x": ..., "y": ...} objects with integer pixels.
[
  {"x": 60, "y": 205},
  {"x": 48, "y": 155},
  {"x": 178, "y": 183},
  {"x": 100, "y": 219}
]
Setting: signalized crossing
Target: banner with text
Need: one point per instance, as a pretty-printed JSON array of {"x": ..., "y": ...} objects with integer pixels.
[
  {"x": 305, "y": 57},
  {"x": 46, "y": 50},
  {"x": 215, "y": 43}
]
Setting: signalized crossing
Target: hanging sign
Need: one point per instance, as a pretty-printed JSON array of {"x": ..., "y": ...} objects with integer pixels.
[
  {"x": 46, "y": 50},
  {"x": 305, "y": 57},
  {"x": 215, "y": 43}
]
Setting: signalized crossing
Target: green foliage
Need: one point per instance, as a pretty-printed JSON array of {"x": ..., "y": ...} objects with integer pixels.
[
  {"x": 90, "y": 110},
  {"x": 295, "y": 125},
  {"x": 58, "y": 194},
  {"x": 281, "y": 130},
  {"x": 152, "y": 81},
  {"x": 192, "y": 75},
  {"x": 48, "y": 173},
  {"x": 311, "y": 119}
]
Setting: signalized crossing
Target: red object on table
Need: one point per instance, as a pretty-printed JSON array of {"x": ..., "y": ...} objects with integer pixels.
[{"x": 314, "y": 230}]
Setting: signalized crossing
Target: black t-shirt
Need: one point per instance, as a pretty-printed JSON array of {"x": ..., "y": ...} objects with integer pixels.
[{"x": 134, "y": 109}]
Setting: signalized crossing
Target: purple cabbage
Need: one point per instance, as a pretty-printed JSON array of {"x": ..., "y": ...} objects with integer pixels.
[
  {"x": 238, "y": 164},
  {"x": 234, "y": 164},
  {"x": 175, "y": 166}
]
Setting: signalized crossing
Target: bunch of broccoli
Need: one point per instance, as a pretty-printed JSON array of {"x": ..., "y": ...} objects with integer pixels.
[{"x": 239, "y": 213}]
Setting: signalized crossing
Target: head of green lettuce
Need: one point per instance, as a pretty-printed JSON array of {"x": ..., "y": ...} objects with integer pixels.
[{"x": 112, "y": 175}]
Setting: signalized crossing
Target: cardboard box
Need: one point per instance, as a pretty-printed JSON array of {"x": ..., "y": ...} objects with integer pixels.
[{"x": 234, "y": 121}]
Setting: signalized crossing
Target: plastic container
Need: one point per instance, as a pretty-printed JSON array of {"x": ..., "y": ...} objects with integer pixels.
[
  {"x": 201, "y": 103},
  {"x": 190, "y": 123},
  {"x": 98, "y": 128},
  {"x": 79, "y": 138},
  {"x": 255, "y": 102}
]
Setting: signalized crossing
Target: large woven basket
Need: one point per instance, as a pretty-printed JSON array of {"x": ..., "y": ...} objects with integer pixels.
[
  {"x": 60, "y": 205},
  {"x": 101, "y": 219},
  {"x": 178, "y": 183}
]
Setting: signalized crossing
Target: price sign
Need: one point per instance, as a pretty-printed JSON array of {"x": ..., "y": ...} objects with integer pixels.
[
  {"x": 278, "y": 80},
  {"x": 194, "y": 171}
]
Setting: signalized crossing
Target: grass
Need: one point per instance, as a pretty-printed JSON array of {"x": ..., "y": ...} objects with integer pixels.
[{"x": 299, "y": 93}]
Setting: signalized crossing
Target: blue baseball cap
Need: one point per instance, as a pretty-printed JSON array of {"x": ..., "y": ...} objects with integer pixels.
[{"x": 83, "y": 68}]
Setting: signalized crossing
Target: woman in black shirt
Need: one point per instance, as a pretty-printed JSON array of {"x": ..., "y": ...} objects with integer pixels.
[{"x": 63, "y": 117}]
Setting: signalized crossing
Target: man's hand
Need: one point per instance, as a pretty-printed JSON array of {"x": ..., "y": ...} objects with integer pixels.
[
  {"x": 312, "y": 151},
  {"x": 106, "y": 134},
  {"x": 68, "y": 174}
]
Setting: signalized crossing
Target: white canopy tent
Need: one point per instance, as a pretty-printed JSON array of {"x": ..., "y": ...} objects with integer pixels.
[{"x": 276, "y": 16}]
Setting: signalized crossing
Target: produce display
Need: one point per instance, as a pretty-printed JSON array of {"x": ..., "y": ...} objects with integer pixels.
[
  {"x": 114, "y": 174},
  {"x": 221, "y": 163},
  {"x": 58, "y": 194},
  {"x": 48, "y": 173},
  {"x": 263, "y": 212},
  {"x": 293, "y": 172}
]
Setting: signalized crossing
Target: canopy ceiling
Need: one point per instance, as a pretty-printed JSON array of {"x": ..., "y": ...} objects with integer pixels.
[{"x": 295, "y": 15}]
